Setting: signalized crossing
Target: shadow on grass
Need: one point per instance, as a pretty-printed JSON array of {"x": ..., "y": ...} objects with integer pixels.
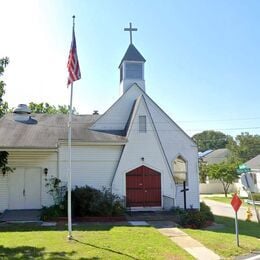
[
  {"x": 28, "y": 252},
  {"x": 246, "y": 228},
  {"x": 106, "y": 249}
]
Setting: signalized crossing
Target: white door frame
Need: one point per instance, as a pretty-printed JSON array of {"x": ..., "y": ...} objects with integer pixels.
[{"x": 24, "y": 206}]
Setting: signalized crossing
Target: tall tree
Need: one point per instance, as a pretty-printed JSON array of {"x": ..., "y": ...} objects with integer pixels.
[
  {"x": 245, "y": 146},
  {"x": 46, "y": 108},
  {"x": 3, "y": 109},
  {"x": 211, "y": 140},
  {"x": 3, "y": 105}
]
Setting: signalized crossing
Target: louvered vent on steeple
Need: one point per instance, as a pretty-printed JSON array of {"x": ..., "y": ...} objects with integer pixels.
[{"x": 131, "y": 66}]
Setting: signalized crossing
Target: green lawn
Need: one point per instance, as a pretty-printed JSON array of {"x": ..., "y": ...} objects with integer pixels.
[
  {"x": 90, "y": 242},
  {"x": 223, "y": 240},
  {"x": 220, "y": 199}
]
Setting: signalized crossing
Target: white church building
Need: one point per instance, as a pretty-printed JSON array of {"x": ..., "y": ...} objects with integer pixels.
[{"x": 134, "y": 148}]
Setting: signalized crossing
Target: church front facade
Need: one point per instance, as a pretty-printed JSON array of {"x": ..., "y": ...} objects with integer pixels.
[{"x": 134, "y": 148}]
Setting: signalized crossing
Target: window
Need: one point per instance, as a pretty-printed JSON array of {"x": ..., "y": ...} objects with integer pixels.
[
  {"x": 133, "y": 71},
  {"x": 179, "y": 170},
  {"x": 142, "y": 124}
]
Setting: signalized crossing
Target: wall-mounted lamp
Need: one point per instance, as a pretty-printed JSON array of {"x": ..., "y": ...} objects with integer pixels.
[
  {"x": 45, "y": 170},
  {"x": 142, "y": 158}
]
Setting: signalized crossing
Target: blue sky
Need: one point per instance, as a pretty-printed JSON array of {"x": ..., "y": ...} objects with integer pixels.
[{"x": 202, "y": 67}]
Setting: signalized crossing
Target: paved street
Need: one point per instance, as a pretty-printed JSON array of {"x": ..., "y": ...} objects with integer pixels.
[{"x": 224, "y": 209}]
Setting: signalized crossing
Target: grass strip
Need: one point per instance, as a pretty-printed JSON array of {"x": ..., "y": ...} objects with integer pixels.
[{"x": 90, "y": 242}]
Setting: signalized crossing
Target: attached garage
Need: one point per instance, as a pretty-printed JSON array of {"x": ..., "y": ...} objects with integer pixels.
[{"x": 143, "y": 188}]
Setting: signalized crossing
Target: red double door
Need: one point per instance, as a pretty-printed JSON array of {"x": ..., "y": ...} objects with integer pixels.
[{"x": 143, "y": 188}]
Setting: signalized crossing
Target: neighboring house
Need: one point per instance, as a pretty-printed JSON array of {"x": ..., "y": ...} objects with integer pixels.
[
  {"x": 254, "y": 165},
  {"x": 203, "y": 154},
  {"x": 134, "y": 148},
  {"x": 214, "y": 157}
]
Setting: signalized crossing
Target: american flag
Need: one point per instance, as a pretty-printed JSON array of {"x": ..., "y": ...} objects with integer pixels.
[{"x": 73, "y": 62}]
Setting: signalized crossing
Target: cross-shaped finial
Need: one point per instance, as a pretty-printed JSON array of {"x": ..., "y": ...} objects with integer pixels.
[{"x": 130, "y": 29}]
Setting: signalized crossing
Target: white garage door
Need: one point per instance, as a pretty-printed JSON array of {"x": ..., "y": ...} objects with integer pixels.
[{"x": 25, "y": 188}]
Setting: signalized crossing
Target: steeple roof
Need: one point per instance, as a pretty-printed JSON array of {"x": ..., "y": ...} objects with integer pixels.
[{"x": 132, "y": 54}]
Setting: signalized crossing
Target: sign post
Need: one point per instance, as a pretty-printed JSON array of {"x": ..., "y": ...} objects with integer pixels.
[
  {"x": 236, "y": 203},
  {"x": 248, "y": 183}
]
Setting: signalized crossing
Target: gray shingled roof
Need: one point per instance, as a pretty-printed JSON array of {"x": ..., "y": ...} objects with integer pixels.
[
  {"x": 132, "y": 54},
  {"x": 217, "y": 156},
  {"x": 49, "y": 129},
  {"x": 254, "y": 163}
]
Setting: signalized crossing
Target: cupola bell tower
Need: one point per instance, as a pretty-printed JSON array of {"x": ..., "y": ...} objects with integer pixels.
[{"x": 131, "y": 67}]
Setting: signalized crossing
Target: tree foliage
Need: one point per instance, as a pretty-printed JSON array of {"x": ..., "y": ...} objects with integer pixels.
[
  {"x": 46, "y": 108},
  {"x": 224, "y": 172},
  {"x": 3, "y": 163},
  {"x": 3, "y": 109},
  {"x": 245, "y": 146},
  {"x": 211, "y": 140},
  {"x": 202, "y": 171},
  {"x": 3, "y": 105}
]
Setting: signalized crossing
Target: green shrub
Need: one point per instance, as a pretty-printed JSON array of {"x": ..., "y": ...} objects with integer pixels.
[
  {"x": 87, "y": 201},
  {"x": 56, "y": 188},
  {"x": 205, "y": 209},
  {"x": 52, "y": 212},
  {"x": 193, "y": 218}
]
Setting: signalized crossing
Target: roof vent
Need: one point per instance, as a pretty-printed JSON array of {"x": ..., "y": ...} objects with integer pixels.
[
  {"x": 22, "y": 109},
  {"x": 22, "y": 114},
  {"x": 95, "y": 112}
]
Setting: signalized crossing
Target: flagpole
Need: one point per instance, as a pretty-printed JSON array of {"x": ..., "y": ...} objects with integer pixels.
[
  {"x": 70, "y": 155},
  {"x": 69, "y": 173}
]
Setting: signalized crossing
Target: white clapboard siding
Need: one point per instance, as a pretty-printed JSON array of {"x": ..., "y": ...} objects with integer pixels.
[
  {"x": 30, "y": 159},
  {"x": 175, "y": 142},
  {"x": 117, "y": 115},
  {"x": 3, "y": 192},
  {"x": 91, "y": 165},
  {"x": 143, "y": 145}
]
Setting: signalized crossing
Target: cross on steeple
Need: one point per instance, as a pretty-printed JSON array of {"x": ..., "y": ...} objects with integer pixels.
[{"x": 130, "y": 29}]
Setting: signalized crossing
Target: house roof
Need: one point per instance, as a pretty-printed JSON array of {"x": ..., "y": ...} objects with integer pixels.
[
  {"x": 203, "y": 154},
  {"x": 132, "y": 54},
  {"x": 142, "y": 92},
  {"x": 49, "y": 130},
  {"x": 254, "y": 163},
  {"x": 217, "y": 156}
]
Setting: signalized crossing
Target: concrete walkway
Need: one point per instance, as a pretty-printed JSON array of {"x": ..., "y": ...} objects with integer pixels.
[{"x": 192, "y": 246}]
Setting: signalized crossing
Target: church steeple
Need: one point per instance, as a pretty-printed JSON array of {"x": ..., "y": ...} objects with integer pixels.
[{"x": 131, "y": 66}]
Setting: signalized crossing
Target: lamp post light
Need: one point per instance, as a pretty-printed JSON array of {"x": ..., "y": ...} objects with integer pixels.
[{"x": 45, "y": 170}]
